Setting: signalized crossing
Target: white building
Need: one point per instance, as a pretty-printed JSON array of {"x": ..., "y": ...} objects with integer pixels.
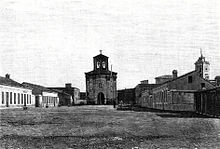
[
  {"x": 14, "y": 94},
  {"x": 44, "y": 97}
]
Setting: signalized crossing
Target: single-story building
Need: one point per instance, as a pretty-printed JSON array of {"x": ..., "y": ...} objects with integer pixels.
[
  {"x": 14, "y": 94},
  {"x": 44, "y": 97}
]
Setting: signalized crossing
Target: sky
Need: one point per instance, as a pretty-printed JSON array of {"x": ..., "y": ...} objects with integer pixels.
[{"x": 53, "y": 42}]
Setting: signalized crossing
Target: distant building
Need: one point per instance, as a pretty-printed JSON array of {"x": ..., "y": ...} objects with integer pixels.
[
  {"x": 14, "y": 94},
  {"x": 217, "y": 80},
  {"x": 82, "y": 95},
  {"x": 44, "y": 97},
  {"x": 64, "y": 98},
  {"x": 144, "y": 86},
  {"x": 101, "y": 82},
  {"x": 73, "y": 91},
  {"x": 163, "y": 78}
]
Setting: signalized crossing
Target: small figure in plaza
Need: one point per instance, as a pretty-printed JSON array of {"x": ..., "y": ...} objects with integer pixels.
[
  {"x": 114, "y": 103},
  {"x": 120, "y": 104}
]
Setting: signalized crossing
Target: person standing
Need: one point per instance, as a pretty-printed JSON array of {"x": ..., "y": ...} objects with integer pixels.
[{"x": 114, "y": 103}]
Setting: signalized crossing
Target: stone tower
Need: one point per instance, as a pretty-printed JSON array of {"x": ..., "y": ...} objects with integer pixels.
[
  {"x": 101, "y": 82},
  {"x": 203, "y": 67}
]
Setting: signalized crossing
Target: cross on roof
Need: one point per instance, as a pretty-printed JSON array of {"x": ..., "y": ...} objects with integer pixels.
[{"x": 201, "y": 52}]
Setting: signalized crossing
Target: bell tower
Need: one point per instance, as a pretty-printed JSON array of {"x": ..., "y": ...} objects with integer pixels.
[
  {"x": 202, "y": 67},
  {"x": 100, "y": 62},
  {"x": 101, "y": 83}
]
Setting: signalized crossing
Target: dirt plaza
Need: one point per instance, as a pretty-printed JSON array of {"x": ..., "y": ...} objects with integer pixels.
[{"x": 104, "y": 127}]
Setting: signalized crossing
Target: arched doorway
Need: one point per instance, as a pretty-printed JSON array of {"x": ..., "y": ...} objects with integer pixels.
[{"x": 101, "y": 99}]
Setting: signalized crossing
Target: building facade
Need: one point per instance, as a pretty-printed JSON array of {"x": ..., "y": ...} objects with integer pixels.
[
  {"x": 101, "y": 84},
  {"x": 14, "y": 94},
  {"x": 178, "y": 94},
  {"x": 73, "y": 91},
  {"x": 44, "y": 97}
]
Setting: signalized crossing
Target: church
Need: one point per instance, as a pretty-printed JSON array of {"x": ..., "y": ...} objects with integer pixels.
[{"x": 101, "y": 83}]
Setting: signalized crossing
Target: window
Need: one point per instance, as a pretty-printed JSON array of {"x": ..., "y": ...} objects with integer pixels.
[
  {"x": 10, "y": 97},
  {"x": 18, "y": 98},
  {"x": 7, "y": 98},
  {"x": 100, "y": 85},
  {"x": 27, "y": 99},
  {"x": 189, "y": 79},
  {"x": 14, "y": 98},
  {"x": 3, "y": 98},
  {"x": 103, "y": 64},
  {"x": 30, "y": 98},
  {"x": 98, "y": 64},
  {"x": 22, "y": 99},
  {"x": 202, "y": 85}
]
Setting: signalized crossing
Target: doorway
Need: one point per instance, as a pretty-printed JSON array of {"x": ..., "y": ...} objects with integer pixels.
[
  {"x": 101, "y": 99},
  {"x": 37, "y": 102}
]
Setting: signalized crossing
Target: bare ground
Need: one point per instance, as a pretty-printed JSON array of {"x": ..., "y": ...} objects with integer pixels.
[{"x": 104, "y": 127}]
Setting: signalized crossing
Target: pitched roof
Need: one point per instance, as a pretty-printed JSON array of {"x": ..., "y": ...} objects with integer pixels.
[
  {"x": 178, "y": 77},
  {"x": 63, "y": 88},
  {"x": 10, "y": 82},
  {"x": 184, "y": 76},
  {"x": 95, "y": 72},
  {"x": 36, "y": 87},
  {"x": 60, "y": 91},
  {"x": 100, "y": 55}
]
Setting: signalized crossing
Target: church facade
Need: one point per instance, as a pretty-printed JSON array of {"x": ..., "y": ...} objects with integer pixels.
[{"x": 101, "y": 83}]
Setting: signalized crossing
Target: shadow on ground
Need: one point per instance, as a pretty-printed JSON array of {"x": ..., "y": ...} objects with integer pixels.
[{"x": 167, "y": 113}]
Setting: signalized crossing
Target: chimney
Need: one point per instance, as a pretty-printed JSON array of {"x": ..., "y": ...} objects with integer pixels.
[
  {"x": 7, "y": 76},
  {"x": 174, "y": 74},
  {"x": 68, "y": 85},
  {"x": 144, "y": 82}
]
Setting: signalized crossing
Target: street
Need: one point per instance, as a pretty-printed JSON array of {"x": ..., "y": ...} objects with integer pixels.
[{"x": 104, "y": 127}]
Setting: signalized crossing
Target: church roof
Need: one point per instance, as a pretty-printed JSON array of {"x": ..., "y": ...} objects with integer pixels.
[
  {"x": 100, "y": 55},
  {"x": 95, "y": 72}
]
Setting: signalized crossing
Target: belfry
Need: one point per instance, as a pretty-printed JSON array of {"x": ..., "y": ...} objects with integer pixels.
[{"x": 101, "y": 84}]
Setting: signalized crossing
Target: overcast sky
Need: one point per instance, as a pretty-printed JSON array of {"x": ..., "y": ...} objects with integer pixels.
[{"x": 53, "y": 42}]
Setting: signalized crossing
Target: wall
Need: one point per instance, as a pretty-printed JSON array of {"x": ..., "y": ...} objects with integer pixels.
[
  {"x": 175, "y": 100},
  {"x": 143, "y": 87},
  {"x": 127, "y": 96},
  {"x": 101, "y": 83},
  {"x": 208, "y": 102},
  {"x": 49, "y": 99}
]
